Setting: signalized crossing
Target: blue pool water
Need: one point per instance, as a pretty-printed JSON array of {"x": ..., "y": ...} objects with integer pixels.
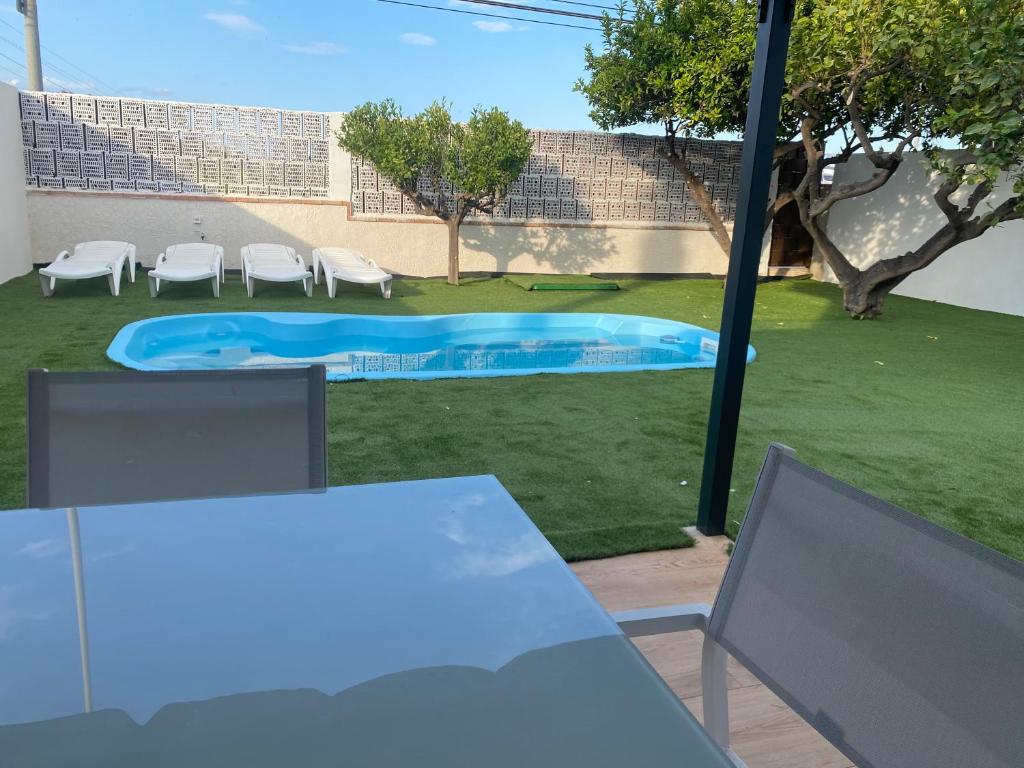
[{"x": 419, "y": 347}]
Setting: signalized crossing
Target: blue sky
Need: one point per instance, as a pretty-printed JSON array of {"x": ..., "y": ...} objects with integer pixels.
[{"x": 318, "y": 54}]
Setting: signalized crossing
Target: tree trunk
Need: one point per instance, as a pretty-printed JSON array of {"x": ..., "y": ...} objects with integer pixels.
[
  {"x": 863, "y": 298},
  {"x": 864, "y": 291},
  {"x": 700, "y": 194},
  {"x": 453, "y": 250}
]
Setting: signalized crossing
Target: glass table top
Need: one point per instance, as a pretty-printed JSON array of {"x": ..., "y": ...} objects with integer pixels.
[{"x": 421, "y": 623}]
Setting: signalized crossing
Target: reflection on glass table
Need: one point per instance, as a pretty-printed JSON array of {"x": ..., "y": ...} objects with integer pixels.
[{"x": 421, "y": 623}]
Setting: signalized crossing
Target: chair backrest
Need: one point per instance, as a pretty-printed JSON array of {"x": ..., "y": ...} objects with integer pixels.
[
  {"x": 265, "y": 253},
  {"x": 900, "y": 642},
  {"x": 102, "y": 250},
  {"x": 346, "y": 256},
  {"x": 126, "y": 436},
  {"x": 205, "y": 252}
]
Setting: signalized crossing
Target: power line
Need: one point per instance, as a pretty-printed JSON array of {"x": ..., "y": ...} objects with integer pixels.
[
  {"x": 4, "y": 55},
  {"x": 490, "y": 15},
  {"x": 19, "y": 74},
  {"x": 586, "y": 5},
  {"x": 535, "y": 9},
  {"x": 7, "y": 69},
  {"x": 93, "y": 80},
  {"x": 72, "y": 79}
]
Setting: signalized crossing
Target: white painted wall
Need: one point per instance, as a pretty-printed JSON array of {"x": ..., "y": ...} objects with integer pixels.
[
  {"x": 985, "y": 273},
  {"x": 15, "y": 256},
  {"x": 418, "y": 247}
]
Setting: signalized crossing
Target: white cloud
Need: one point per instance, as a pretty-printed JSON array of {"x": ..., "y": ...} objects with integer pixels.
[
  {"x": 316, "y": 49},
  {"x": 493, "y": 26},
  {"x": 478, "y": 555},
  {"x": 235, "y": 22},
  {"x": 42, "y": 548},
  {"x": 417, "y": 38},
  {"x": 496, "y": 559}
]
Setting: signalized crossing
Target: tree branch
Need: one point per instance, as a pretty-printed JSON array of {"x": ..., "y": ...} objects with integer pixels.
[
  {"x": 1010, "y": 209},
  {"x": 782, "y": 199},
  {"x": 806, "y": 195},
  {"x": 852, "y": 189},
  {"x": 857, "y": 82},
  {"x": 979, "y": 193},
  {"x": 949, "y": 209}
]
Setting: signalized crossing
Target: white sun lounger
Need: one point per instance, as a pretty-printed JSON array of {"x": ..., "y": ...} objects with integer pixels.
[
  {"x": 186, "y": 262},
  {"x": 99, "y": 258},
  {"x": 275, "y": 263},
  {"x": 350, "y": 266}
]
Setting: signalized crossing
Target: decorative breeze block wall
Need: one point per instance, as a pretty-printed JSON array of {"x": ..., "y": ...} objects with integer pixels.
[
  {"x": 129, "y": 145},
  {"x": 583, "y": 177}
]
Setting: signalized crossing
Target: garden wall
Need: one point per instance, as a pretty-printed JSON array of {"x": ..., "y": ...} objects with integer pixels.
[
  {"x": 984, "y": 273},
  {"x": 15, "y": 258},
  {"x": 157, "y": 172},
  {"x": 416, "y": 248}
]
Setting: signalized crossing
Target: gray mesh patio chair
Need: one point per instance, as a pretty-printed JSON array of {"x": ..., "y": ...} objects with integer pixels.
[
  {"x": 898, "y": 641},
  {"x": 126, "y": 436}
]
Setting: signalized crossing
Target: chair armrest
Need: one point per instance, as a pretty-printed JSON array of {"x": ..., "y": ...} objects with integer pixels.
[
  {"x": 62, "y": 256},
  {"x": 663, "y": 619},
  {"x": 681, "y": 618}
]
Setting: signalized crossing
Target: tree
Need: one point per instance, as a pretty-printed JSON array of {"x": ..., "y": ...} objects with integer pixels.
[
  {"x": 683, "y": 65},
  {"x": 446, "y": 169},
  {"x": 863, "y": 76}
]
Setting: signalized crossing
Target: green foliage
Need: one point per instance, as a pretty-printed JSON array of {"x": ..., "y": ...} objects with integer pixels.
[
  {"x": 685, "y": 65},
  {"x": 938, "y": 70},
  {"x": 479, "y": 159},
  {"x": 872, "y": 76},
  {"x": 985, "y": 102}
]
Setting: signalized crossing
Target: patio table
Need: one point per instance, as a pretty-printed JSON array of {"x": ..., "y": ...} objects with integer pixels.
[{"x": 422, "y": 623}]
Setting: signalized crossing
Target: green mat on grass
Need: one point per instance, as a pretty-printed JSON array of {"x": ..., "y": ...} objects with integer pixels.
[{"x": 562, "y": 283}]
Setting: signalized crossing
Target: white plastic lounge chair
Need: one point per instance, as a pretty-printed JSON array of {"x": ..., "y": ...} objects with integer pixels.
[
  {"x": 275, "y": 263},
  {"x": 186, "y": 262},
  {"x": 99, "y": 258},
  {"x": 350, "y": 266}
]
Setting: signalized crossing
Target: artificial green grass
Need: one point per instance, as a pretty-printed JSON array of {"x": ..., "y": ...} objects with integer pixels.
[{"x": 921, "y": 407}]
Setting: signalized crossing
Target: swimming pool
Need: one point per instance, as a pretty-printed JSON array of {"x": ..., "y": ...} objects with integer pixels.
[{"x": 416, "y": 347}]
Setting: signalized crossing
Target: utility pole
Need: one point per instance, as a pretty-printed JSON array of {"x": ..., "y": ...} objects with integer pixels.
[{"x": 33, "y": 62}]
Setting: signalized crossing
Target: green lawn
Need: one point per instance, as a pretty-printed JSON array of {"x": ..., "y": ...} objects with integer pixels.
[{"x": 922, "y": 407}]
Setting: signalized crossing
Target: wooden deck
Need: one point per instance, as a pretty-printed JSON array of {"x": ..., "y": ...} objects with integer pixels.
[{"x": 765, "y": 732}]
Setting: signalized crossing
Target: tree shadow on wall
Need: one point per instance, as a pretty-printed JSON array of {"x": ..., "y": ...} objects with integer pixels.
[{"x": 565, "y": 249}]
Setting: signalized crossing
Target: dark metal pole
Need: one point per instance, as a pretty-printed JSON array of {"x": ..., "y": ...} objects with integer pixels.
[{"x": 775, "y": 19}]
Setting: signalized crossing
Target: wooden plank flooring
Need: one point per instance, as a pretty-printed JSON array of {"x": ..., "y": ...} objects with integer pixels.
[{"x": 765, "y": 732}]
